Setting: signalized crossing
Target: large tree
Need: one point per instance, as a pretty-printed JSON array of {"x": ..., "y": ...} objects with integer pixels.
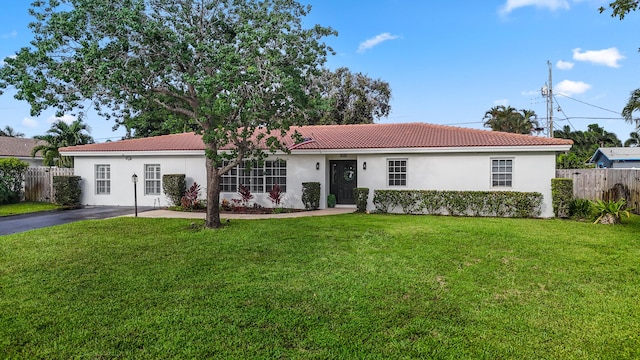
[
  {"x": 237, "y": 68},
  {"x": 60, "y": 135},
  {"x": 508, "y": 119},
  {"x": 585, "y": 143},
  {"x": 349, "y": 98}
]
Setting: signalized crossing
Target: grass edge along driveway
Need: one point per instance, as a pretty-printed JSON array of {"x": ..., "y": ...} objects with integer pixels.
[{"x": 348, "y": 286}]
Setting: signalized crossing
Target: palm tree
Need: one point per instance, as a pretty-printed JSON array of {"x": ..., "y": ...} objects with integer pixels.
[
  {"x": 60, "y": 135},
  {"x": 10, "y": 132},
  {"x": 633, "y": 140},
  {"x": 508, "y": 119},
  {"x": 633, "y": 105}
]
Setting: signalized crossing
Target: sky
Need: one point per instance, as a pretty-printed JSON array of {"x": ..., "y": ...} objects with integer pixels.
[{"x": 447, "y": 62}]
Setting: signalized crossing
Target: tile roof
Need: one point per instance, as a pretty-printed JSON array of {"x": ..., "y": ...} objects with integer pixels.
[
  {"x": 18, "y": 147},
  {"x": 363, "y": 136}
]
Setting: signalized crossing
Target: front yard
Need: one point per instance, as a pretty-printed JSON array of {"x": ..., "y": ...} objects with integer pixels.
[
  {"x": 26, "y": 207},
  {"x": 348, "y": 286}
]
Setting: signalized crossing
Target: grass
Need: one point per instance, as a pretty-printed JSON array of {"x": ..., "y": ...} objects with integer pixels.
[
  {"x": 26, "y": 207},
  {"x": 348, "y": 286}
]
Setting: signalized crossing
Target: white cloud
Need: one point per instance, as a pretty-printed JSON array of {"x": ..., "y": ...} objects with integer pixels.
[
  {"x": 66, "y": 118},
  {"x": 552, "y": 5},
  {"x": 369, "y": 43},
  {"x": 10, "y": 35},
  {"x": 503, "y": 102},
  {"x": 607, "y": 57},
  {"x": 564, "y": 65},
  {"x": 568, "y": 87},
  {"x": 30, "y": 123}
]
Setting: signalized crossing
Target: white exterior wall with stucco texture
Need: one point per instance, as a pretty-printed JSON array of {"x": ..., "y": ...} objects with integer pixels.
[
  {"x": 121, "y": 171},
  {"x": 532, "y": 172}
]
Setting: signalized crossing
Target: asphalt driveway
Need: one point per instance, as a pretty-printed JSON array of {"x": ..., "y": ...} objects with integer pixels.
[{"x": 19, "y": 223}]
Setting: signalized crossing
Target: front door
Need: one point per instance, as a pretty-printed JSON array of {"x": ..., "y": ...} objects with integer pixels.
[{"x": 344, "y": 179}]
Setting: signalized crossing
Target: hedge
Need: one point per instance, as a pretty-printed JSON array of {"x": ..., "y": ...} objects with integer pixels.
[
  {"x": 561, "y": 196},
  {"x": 460, "y": 203},
  {"x": 12, "y": 172},
  {"x": 174, "y": 186},
  {"x": 67, "y": 190},
  {"x": 311, "y": 195}
]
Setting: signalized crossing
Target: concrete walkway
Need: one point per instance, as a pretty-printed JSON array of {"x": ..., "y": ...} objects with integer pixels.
[{"x": 201, "y": 215}]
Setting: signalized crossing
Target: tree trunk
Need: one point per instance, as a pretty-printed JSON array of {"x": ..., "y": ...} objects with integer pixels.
[{"x": 213, "y": 196}]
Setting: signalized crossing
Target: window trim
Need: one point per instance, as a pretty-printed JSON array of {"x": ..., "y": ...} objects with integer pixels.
[
  {"x": 157, "y": 182},
  {"x": 106, "y": 180},
  {"x": 406, "y": 173},
  {"x": 262, "y": 175},
  {"x": 491, "y": 173}
]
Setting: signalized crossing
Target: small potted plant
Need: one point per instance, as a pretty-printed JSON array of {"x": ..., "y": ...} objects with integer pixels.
[{"x": 331, "y": 201}]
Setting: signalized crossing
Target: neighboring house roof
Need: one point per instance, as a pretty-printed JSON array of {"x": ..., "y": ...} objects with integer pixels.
[
  {"x": 338, "y": 137},
  {"x": 18, "y": 147},
  {"x": 618, "y": 154}
]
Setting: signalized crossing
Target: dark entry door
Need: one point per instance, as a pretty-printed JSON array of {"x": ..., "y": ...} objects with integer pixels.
[{"x": 344, "y": 179}]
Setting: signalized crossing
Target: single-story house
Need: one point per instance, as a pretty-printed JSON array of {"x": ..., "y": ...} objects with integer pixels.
[
  {"x": 20, "y": 148},
  {"x": 340, "y": 157},
  {"x": 616, "y": 158}
]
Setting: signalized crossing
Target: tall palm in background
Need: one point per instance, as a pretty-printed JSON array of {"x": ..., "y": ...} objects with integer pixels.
[
  {"x": 633, "y": 105},
  {"x": 8, "y": 131},
  {"x": 633, "y": 140},
  {"x": 509, "y": 119},
  {"x": 60, "y": 135}
]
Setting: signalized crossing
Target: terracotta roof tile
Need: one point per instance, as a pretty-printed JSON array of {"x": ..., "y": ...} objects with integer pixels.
[
  {"x": 364, "y": 136},
  {"x": 18, "y": 147}
]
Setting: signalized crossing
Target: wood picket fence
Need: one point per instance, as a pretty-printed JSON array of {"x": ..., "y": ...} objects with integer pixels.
[
  {"x": 38, "y": 183},
  {"x": 605, "y": 184}
]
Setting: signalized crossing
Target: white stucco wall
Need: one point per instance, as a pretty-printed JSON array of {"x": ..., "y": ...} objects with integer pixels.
[
  {"x": 532, "y": 172},
  {"x": 121, "y": 171},
  {"x": 431, "y": 171}
]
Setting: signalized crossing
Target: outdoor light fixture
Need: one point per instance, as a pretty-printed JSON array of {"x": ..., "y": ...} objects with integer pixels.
[
  {"x": 134, "y": 179},
  {"x": 317, "y": 166},
  {"x": 364, "y": 165}
]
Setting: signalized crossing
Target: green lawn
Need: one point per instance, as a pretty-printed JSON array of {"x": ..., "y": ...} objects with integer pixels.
[
  {"x": 25, "y": 207},
  {"x": 338, "y": 287}
]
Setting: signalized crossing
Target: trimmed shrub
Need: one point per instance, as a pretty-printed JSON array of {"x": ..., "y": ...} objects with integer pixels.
[
  {"x": 12, "y": 172},
  {"x": 311, "y": 195},
  {"x": 331, "y": 200},
  {"x": 67, "y": 190},
  {"x": 460, "y": 203},
  {"x": 361, "y": 196},
  {"x": 174, "y": 186},
  {"x": 561, "y": 196}
]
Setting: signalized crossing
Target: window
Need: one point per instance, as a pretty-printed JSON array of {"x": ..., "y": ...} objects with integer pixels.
[
  {"x": 252, "y": 178},
  {"x": 229, "y": 181},
  {"x": 152, "y": 179},
  {"x": 103, "y": 179},
  {"x": 275, "y": 172},
  {"x": 397, "y": 172},
  {"x": 259, "y": 179},
  {"x": 501, "y": 172}
]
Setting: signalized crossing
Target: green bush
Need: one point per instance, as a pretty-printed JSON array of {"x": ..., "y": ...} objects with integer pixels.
[
  {"x": 311, "y": 195},
  {"x": 67, "y": 190},
  {"x": 361, "y": 196},
  {"x": 331, "y": 201},
  {"x": 174, "y": 186},
  {"x": 610, "y": 212},
  {"x": 12, "y": 173},
  {"x": 460, "y": 203},
  {"x": 580, "y": 209},
  {"x": 561, "y": 196}
]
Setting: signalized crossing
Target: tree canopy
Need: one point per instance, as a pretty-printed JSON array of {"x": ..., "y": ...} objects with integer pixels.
[
  {"x": 585, "y": 143},
  {"x": 348, "y": 98},
  {"x": 508, "y": 119},
  {"x": 239, "y": 69}
]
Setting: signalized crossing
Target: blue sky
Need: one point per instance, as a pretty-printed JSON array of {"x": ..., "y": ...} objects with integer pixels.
[{"x": 447, "y": 62}]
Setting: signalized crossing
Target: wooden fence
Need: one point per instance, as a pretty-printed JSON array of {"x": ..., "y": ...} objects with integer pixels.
[
  {"x": 605, "y": 184},
  {"x": 38, "y": 183}
]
